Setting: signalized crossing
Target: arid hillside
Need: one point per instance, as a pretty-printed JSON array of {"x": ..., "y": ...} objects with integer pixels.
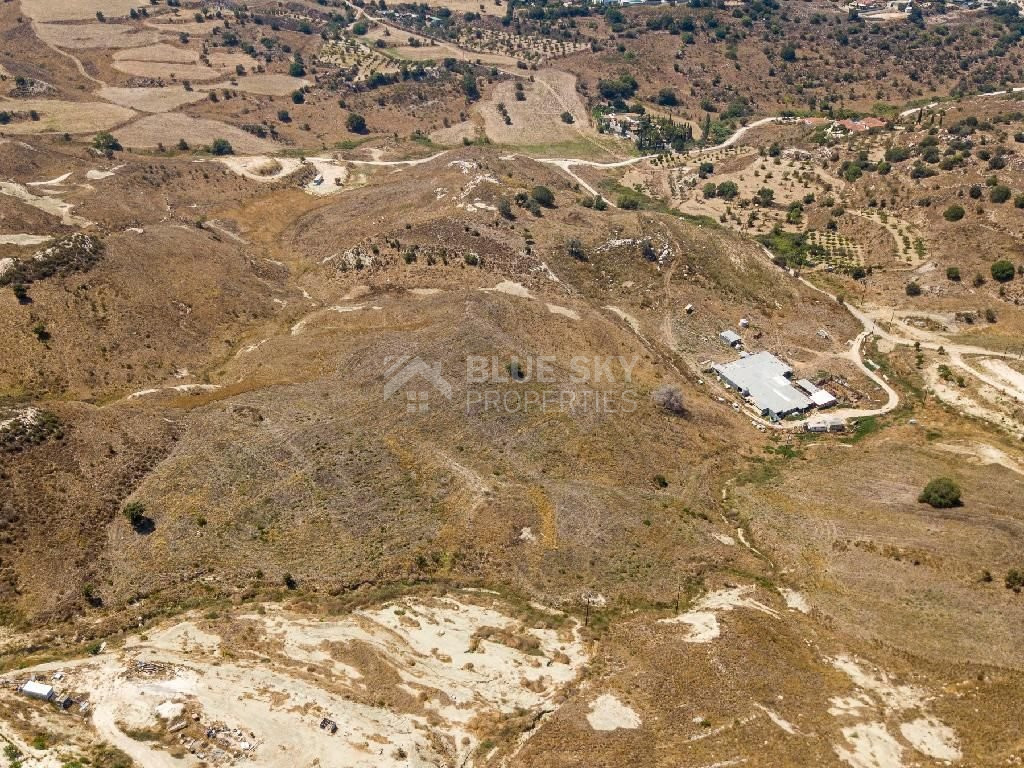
[{"x": 511, "y": 384}]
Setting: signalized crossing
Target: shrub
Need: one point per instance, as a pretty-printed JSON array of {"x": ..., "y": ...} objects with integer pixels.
[
  {"x": 953, "y": 213},
  {"x": 567, "y": 118},
  {"x": 134, "y": 512},
  {"x": 667, "y": 98},
  {"x": 543, "y": 196},
  {"x": 221, "y": 147},
  {"x": 1000, "y": 193},
  {"x": 290, "y": 582},
  {"x": 298, "y": 97},
  {"x": 1015, "y": 580},
  {"x": 1003, "y": 270},
  {"x": 355, "y": 123},
  {"x": 953, "y": 273},
  {"x": 670, "y": 399},
  {"x": 913, "y": 289},
  {"x": 941, "y": 493},
  {"x": 575, "y": 249}
]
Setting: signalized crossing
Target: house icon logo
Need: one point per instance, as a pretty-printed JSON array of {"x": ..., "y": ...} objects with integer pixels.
[{"x": 403, "y": 370}]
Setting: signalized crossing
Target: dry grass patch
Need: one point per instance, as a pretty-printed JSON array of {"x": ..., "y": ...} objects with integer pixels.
[
  {"x": 64, "y": 116},
  {"x": 268, "y": 84},
  {"x": 95, "y": 35},
  {"x": 70, "y": 10},
  {"x": 161, "y": 52},
  {"x": 151, "y": 99},
  {"x": 167, "y": 129},
  {"x": 171, "y": 62},
  {"x": 454, "y": 134},
  {"x": 537, "y": 119}
]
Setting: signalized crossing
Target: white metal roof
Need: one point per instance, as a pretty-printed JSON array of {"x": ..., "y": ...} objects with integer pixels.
[
  {"x": 822, "y": 399},
  {"x": 764, "y": 378},
  {"x": 33, "y": 688}
]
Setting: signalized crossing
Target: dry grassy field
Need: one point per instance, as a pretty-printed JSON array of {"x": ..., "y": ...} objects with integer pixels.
[
  {"x": 96, "y": 35},
  {"x": 75, "y": 10},
  {"x": 168, "y": 129},
  {"x": 54, "y": 116},
  {"x": 165, "y": 99}
]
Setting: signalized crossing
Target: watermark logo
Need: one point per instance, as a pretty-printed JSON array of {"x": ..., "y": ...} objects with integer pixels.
[
  {"x": 545, "y": 384},
  {"x": 403, "y": 371}
]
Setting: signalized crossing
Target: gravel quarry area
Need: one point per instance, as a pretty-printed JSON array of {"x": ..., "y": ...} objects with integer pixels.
[{"x": 410, "y": 683}]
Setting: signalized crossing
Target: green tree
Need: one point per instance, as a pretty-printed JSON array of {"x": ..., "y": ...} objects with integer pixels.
[
  {"x": 727, "y": 190},
  {"x": 134, "y": 512},
  {"x": 355, "y": 123},
  {"x": 941, "y": 493},
  {"x": 667, "y": 98},
  {"x": 221, "y": 147},
  {"x": 106, "y": 143},
  {"x": 470, "y": 87},
  {"x": 953, "y": 274}
]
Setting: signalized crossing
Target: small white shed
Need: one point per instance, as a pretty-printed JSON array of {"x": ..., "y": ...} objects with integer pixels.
[{"x": 37, "y": 690}]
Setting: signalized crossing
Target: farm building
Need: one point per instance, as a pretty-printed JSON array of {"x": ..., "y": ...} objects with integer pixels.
[
  {"x": 820, "y": 397},
  {"x": 764, "y": 379},
  {"x": 731, "y": 338},
  {"x": 37, "y": 690}
]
